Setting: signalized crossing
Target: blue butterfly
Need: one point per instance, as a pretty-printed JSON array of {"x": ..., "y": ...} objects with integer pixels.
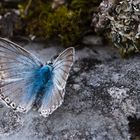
[{"x": 23, "y": 76}]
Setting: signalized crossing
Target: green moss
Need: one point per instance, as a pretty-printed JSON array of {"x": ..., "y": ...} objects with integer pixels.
[
  {"x": 33, "y": 16},
  {"x": 66, "y": 22},
  {"x": 63, "y": 23}
]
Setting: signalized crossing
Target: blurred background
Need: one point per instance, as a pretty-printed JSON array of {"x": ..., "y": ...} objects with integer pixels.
[{"x": 69, "y": 21}]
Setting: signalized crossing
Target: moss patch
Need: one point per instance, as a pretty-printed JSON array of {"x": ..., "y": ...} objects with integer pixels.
[{"x": 67, "y": 22}]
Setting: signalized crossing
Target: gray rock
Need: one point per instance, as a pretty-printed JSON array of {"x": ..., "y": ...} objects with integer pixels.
[
  {"x": 8, "y": 22},
  {"x": 108, "y": 95},
  {"x": 76, "y": 86},
  {"x": 92, "y": 40}
]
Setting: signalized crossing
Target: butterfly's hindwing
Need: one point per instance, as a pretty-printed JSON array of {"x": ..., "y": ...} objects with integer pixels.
[{"x": 55, "y": 90}]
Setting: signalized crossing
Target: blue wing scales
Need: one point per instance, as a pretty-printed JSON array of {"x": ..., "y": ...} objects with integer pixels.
[{"x": 17, "y": 76}]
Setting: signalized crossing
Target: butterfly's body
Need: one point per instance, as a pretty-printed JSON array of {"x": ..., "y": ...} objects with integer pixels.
[
  {"x": 45, "y": 74},
  {"x": 23, "y": 77},
  {"x": 43, "y": 78}
]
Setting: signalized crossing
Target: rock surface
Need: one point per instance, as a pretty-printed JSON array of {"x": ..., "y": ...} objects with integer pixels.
[{"x": 101, "y": 93}]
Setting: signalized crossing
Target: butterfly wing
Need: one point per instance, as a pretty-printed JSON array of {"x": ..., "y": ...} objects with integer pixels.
[
  {"x": 55, "y": 88},
  {"x": 17, "y": 76}
]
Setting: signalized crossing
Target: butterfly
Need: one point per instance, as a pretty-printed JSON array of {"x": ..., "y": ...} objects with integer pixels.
[{"x": 23, "y": 77}]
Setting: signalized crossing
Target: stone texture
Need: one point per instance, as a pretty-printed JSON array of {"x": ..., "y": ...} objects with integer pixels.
[
  {"x": 92, "y": 40},
  {"x": 102, "y": 92}
]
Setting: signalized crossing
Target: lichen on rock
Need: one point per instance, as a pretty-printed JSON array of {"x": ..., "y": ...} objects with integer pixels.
[{"x": 122, "y": 21}]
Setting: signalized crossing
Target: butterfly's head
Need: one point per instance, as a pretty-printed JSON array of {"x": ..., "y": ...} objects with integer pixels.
[{"x": 49, "y": 63}]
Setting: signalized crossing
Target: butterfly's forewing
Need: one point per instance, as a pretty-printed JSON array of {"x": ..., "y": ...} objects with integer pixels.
[
  {"x": 17, "y": 75},
  {"x": 55, "y": 88}
]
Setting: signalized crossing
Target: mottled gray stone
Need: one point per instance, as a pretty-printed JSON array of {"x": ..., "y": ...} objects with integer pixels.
[
  {"x": 92, "y": 40},
  {"x": 108, "y": 93}
]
